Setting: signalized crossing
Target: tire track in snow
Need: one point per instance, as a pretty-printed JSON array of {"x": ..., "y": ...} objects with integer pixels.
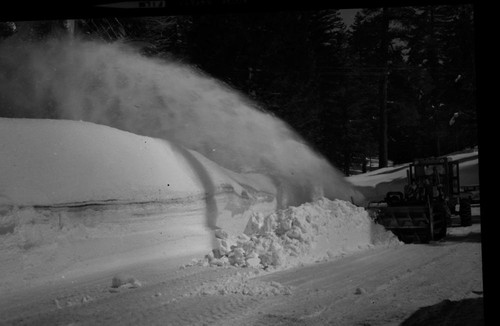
[
  {"x": 196, "y": 310},
  {"x": 215, "y": 309},
  {"x": 381, "y": 284}
]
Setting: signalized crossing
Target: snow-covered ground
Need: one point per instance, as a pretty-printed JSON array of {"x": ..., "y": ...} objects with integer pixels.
[
  {"x": 437, "y": 284},
  {"x": 102, "y": 226}
]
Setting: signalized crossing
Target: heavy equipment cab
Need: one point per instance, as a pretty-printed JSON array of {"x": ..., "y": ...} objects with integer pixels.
[
  {"x": 439, "y": 177},
  {"x": 422, "y": 211}
]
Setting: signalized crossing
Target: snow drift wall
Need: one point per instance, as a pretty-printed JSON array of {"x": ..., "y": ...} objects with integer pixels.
[
  {"x": 49, "y": 162},
  {"x": 78, "y": 197},
  {"x": 46, "y": 244}
]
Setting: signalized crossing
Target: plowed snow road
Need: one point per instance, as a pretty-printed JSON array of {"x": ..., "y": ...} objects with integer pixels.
[{"x": 434, "y": 284}]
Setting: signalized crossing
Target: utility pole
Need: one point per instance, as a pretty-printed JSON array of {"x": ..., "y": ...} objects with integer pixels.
[{"x": 384, "y": 55}]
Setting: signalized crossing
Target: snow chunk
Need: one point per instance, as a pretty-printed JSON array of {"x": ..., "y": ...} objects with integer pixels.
[
  {"x": 125, "y": 281},
  {"x": 221, "y": 234}
]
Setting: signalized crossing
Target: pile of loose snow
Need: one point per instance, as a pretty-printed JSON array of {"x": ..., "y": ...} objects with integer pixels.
[{"x": 300, "y": 235}]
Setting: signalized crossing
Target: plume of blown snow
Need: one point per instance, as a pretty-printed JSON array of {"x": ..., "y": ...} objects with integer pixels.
[{"x": 113, "y": 85}]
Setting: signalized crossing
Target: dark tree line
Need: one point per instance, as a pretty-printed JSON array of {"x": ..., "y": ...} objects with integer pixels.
[{"x": 398, "y": 84}]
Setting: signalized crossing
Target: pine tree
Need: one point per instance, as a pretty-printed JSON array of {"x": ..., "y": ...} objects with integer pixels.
[
  {"x": 442, "y": 54},
  {"x": 279, "y": 60},
  {"x": 378, "y": 47}
]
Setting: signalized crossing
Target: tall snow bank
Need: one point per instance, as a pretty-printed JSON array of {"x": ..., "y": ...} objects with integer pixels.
[
  {"x": 48, "y": 162},
  {"x": 56, "y": 162},
  {"x": 78, "y": 197},
  {"x": 300, "y": 235}
]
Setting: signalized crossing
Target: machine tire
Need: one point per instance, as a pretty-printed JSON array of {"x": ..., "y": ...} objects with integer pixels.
[
  {"x": 441, "y": 232},
  {"x": 465, "y": 212},
  {"x": 440, "y": 213}
]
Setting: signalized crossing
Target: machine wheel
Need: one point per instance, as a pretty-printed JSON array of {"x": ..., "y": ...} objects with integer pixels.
[
  {"x": 465, "y": 212},
  {"x": 442, "y": 231}
]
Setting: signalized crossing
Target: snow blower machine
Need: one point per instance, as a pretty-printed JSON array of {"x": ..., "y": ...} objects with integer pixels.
[{"x": 423, "y": 211}]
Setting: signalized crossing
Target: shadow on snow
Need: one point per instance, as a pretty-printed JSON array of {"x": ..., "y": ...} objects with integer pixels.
[{"x": 467, "y": 312}]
